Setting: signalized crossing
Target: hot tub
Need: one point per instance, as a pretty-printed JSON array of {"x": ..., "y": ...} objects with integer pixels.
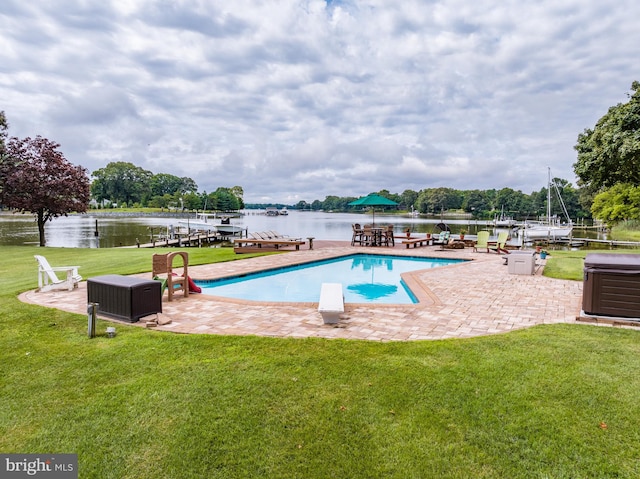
[{"x": 612, "y": 285}]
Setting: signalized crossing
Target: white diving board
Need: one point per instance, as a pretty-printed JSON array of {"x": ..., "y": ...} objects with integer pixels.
[{"x": 331, "y": 303}]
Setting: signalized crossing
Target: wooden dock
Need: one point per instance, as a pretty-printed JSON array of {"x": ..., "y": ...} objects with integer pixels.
[
  {"x": 611, "y": 243},
  {"x": 179, "y": 241}
]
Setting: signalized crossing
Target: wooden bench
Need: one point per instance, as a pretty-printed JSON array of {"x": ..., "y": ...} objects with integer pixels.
[
  {"x": 331, "y": 303},
  {"x": 417, "y": 241},
  {"x": 254, "y": 244}
]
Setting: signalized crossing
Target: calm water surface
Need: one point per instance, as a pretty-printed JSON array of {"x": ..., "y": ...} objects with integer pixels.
[
  {"x": 365, "y": 278},
  {"x": 79, "y": 231}
]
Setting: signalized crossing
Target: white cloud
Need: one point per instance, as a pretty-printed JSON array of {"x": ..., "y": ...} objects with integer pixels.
[{"x": 304, "y": 99}]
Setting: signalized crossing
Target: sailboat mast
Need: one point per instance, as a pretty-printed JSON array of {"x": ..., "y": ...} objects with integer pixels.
[{"x": 549, "y": 195}]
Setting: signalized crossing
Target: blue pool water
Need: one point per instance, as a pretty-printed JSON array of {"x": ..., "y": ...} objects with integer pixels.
[{"x": 365, "y": 279}]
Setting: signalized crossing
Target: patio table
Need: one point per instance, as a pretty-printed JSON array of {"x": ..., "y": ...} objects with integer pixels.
[{"x": 377, "y": 236}]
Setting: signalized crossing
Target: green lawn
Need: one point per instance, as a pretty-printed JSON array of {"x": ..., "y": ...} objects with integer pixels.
[{"x": 548, "y": 402}]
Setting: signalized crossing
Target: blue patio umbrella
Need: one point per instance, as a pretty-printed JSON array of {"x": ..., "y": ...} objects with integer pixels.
[{"x": 373, "y": 200}]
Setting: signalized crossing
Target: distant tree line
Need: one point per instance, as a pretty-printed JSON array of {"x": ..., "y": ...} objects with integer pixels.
[
  {"x": 126, "y": 184},
  {"x": 480, "y": 204}
]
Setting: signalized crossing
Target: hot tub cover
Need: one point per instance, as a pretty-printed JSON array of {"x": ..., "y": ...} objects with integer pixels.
[{"x": 614, "y": 262}]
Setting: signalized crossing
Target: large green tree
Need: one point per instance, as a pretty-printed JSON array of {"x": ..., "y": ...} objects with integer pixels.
[
  {"x": 225, "y": 199},
  {"x": 121, "y": 182},
  {"x": 166, "y": 184},
  {"x": 436, "y": 200},
  {"x": 610, "y": 153},
  {"x": 41, "y": 181},
  {"x": 477, "y": 203},
  {"x": 408, "y": 199},
  {"x": 513, "y": 202},
  {"x": 618, "y": 203}
]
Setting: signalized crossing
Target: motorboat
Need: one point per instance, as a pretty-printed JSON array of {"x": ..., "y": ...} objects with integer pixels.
[
  {"x": 213, "y": 223},
  {"x": 225, "y": 228},
  {"x": 273, "y": 211},
  {"x": 199, "y": 223},
  {"x": 552, "y": 228}
]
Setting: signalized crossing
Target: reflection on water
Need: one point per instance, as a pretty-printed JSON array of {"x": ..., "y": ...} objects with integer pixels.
[{"x": 79, "y": 231}]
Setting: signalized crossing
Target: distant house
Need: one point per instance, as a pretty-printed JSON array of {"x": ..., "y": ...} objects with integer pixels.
[{"x": 103, "y": 204}]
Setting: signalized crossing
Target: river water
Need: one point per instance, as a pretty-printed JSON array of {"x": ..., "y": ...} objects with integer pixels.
[{"x": 106, "y": 231}]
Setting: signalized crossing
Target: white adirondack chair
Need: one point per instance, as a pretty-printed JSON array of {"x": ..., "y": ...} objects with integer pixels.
[{"x": 48, "y": 280}]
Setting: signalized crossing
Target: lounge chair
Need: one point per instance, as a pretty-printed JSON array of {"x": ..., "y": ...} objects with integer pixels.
[
  {"x": 277, "y": 235},
  {"x": 482, "y": 242},
  {"x": 48, "y": 280},
  {"x": 499, "y": 245},
  {"x": 162, "y": 270}
]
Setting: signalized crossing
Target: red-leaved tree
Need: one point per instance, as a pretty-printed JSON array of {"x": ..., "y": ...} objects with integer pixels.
[{"x": 40, "y": 180}]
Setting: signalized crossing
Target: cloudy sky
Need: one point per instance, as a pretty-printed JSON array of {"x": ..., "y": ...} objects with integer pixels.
[{"x": 301, "y": 99}]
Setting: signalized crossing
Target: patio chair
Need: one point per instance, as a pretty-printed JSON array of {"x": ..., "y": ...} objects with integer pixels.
[
  {"x": 482, "y": 242},
  {"x": 357, "y": 234},
  {"x": 48, "y": 280},
  {"x": 162, "y": 270},
  {"x": 368, "y": 238},
  {"x": 443, "y": 238},
  {"x": 387, "y": 236},
  {"x": 499, "y": 245}
]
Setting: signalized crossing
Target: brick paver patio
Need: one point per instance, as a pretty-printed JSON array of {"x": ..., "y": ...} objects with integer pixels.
[{"x": 459, "y": 301}]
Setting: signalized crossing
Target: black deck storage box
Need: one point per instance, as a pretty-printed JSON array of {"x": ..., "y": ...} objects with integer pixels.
[
  {"x": 612, "y": 285},
  {"x": 125, "y": 298}
]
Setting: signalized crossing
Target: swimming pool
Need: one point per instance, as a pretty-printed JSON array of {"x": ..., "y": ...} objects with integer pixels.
[{"x": 365, "y": 278}]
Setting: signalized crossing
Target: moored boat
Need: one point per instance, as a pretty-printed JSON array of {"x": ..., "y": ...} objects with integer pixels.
[
  {"x": 538, "y": 231},
  {"x": 225, "y": 228},
  {"x": 211, "y": 222},
  {"x": 551, "y": 229}
]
